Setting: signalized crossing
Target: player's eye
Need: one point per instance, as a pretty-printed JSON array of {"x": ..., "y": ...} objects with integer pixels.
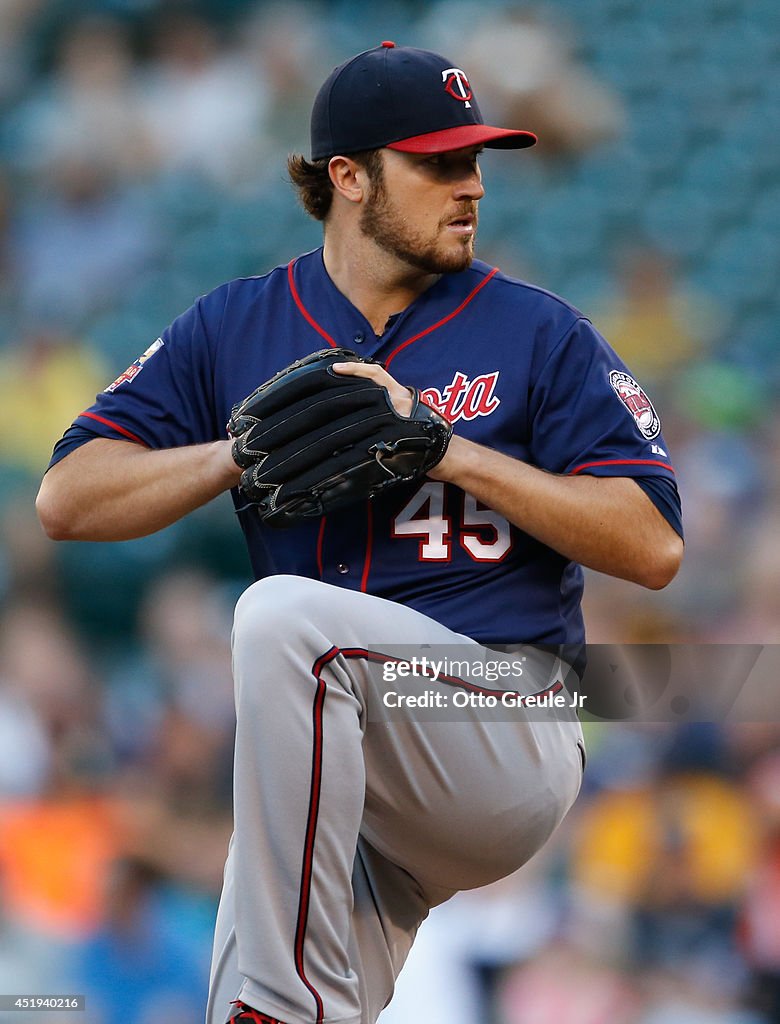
[{"x": 452, "y": 165}]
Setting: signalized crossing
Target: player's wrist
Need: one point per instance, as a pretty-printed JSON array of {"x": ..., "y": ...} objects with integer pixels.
[
  {"x": 227, "y": 466},
  {"x": 454, "y": 463}
]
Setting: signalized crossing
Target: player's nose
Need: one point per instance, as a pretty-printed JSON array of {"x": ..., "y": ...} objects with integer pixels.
[{"x": 469, "y": 185}]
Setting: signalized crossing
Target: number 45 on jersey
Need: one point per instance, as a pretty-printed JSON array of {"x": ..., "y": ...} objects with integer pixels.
[{"x": 482, "y": 533}]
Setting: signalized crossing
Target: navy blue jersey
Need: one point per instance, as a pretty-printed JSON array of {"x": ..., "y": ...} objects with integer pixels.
[{"x": 511, "y": 365}]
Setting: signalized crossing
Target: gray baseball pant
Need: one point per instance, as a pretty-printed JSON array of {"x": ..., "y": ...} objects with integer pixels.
[{"x": 349, "y": 827}]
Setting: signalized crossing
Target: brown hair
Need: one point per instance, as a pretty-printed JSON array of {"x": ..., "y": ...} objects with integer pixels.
[{"x": 312, "y": 181}]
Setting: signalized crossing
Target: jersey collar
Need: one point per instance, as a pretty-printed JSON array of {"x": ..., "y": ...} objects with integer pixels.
[{"x": 331, "y": 315}]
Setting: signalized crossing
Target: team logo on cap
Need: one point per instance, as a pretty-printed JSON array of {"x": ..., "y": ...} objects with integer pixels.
[
  {"x": 457, "y": 85},
  {"x": 637, "y": 403}
]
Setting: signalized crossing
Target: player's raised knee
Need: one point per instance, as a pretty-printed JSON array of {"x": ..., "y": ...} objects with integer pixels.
[{"x": 275, "y": 606}]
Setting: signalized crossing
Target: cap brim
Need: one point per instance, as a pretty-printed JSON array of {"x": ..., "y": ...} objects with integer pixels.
[{"x": 463, "y": 136}]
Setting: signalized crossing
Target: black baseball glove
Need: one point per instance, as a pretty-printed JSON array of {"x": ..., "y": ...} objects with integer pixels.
[{"x": 310, "y": 440}]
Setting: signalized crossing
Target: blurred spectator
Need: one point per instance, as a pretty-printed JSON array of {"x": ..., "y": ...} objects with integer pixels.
[
  {"x": 567, "y": 986},
  {"x": 52, "y": 373},
  {"x": 288, "y": 46},
  {"x": 43, "y": 664},
  {"x": 31, "y": 960},
  {"x": 675, "y": 997},
  {"x": 171, "y": 717},
  {"x": 15, "y": 49},
  {"x": 655, "y": 324},
  {"x": 54, "y": 854},
  {"x": 76, "y": 240},
  {"x": 760, "y": 926},
  {"x": 670, "y": 860},
  {"x": 203, "y": 104},
  {"x": 44, "y": 672},
  {"x": 181, "y": 673},
  {"x": 756, "y": 619},
  {"x": 87, "y": 110},
  {"x": 137, "y": 960},
  {"x": 724, "y": 479},
  {"x": 186, "y": 622},
  {"x": 697, "y": 819},
  {"x": 24, "y": 748},
  {"x": 27, "y": 567}
]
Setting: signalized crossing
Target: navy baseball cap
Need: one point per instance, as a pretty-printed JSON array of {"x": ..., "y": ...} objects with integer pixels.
[{"x": 402, "y": 98}]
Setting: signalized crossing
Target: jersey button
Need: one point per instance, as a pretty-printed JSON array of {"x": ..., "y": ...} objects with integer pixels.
[
  {"x": 359, "y": 338},
  {"x": 342, "y": 568}
]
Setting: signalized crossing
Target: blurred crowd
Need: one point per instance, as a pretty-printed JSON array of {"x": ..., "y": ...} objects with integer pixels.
[{"x": 142, "y": 150}]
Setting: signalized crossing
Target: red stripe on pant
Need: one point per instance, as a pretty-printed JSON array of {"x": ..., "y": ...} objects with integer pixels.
[
  {"x": 311, "y": 826},
  {"x": 316, "y": 786}
]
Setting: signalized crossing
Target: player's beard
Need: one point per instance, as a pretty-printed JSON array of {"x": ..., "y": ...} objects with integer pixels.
[{"x": 391, "y": 230}]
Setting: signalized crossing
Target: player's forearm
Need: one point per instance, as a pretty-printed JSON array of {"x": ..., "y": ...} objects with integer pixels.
[
  {"x": 604, "y": 523},
  {"x": 118, "y": 490}
]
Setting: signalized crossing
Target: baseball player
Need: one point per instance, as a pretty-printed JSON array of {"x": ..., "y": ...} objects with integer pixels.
[{"x": 508, "y": 447}]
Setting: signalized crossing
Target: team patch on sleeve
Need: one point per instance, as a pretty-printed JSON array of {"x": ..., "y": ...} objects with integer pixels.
[
  {"x": 638, "y": 404},
  {"x": 135, "y": 368}
]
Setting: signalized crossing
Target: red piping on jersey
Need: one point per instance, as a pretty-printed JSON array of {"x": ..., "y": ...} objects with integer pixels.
[
  {"x": 415, "y": 337},
  {"x": 114, "y": 426},
  {"x": 320, "y": 542},
  {"x": 303, "y": 310},
  {"x": 622, "y": 462},
  {"x": 369, "y": 546},
  {"x": 444, "y": 320}
]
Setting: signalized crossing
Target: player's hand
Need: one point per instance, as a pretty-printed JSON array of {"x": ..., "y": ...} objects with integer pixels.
[{"x": 400, "y": 396}]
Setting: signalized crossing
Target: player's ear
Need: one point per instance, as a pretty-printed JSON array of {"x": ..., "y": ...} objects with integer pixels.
[{"x": 349, "y": 178}]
